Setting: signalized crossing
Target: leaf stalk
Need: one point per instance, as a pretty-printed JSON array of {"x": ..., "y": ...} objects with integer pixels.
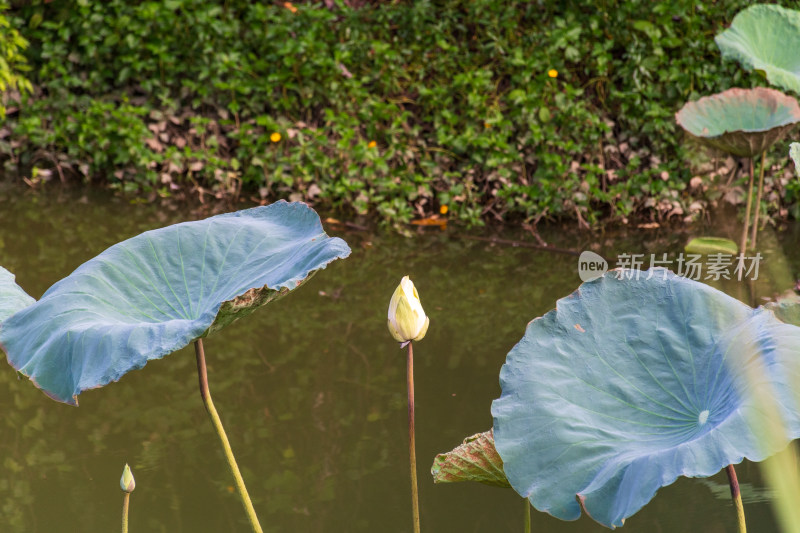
[
  {"x": 760, "y": 193},
  {"x": 125, "y": 504},
  {"x": 743, "y": 242},
  {"x": 527, "y": 515},
  {"x": 205, "y": 393},
  {"x": 411, "y": 439},
  {"x": 736, "y": 496}
]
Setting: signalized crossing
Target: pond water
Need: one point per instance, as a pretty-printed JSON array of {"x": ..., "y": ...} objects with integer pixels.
[{"x": 312, "y": 389}]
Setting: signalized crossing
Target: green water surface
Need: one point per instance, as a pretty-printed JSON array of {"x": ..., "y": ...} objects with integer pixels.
[{"x": 312, "y": 390}]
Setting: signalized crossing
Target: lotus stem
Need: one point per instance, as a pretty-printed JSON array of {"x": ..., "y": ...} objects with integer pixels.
[
  {"x": 737, "y": 498},
  {"x": 758, "y": 200},
  {"x": 125, "y": 503},
  {"x": 743, "y": 243},
  {"x": 206, "y": 395},
  {"x": 411, "y": 440},
  {"x": 527, "y": 515}
]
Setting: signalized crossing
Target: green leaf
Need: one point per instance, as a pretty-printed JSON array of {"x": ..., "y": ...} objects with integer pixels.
[
  {"x": 643, "y": 26},
  {"x": 765, "y": 37},
  {"x": 544, "y": 114},
  {"x": 648, "y": 28},
  {"x": 633, "y": 381},
  {"x": 12, "y": 297},
  {"x": 475, "y": 460},
  {"x": 153, "y": 294},
  {"x": 742, "y": 122},
  {"x": 711, "y": 245}
]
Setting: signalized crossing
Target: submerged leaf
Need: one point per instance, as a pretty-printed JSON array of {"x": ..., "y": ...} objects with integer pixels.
[
  {"x": 475, "y": 460},
  {"x": 12, "y": 297},
  {"x": 155, "y": 293},
  {"x": 742, "y": 122},
  {"x": 711, "y": 245},
  {"x": 631, "y": 382},
  {"x": 766, "y": 38}
]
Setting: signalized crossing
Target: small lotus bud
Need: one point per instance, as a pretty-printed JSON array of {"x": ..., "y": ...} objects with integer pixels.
[
  {"x": 126, "y": 482},
  {"x": 407, "y": 320}
]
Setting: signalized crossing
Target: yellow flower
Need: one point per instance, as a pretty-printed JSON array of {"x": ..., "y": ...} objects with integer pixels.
[
  {"x": 407, "y": 320},
  {"x": 553, "y": 73},
  {"x": 372, "y": 144},
  {"x": 443, "y": 209},
  {"x": 275, "y": 137},
  {"x": 290, "y": 7}
]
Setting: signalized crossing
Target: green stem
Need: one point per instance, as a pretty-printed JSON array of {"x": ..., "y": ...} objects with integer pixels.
[
  {"x": 743, "y": 242},
  {"x": 736, "y": 496},
  {"x": 411, "y": 440},
  {"x": 125, "y": 503},
  {"x": 527, "y": 516},
  {"x": 206, "y": 395},
  {"x": 754, "y": 234}
]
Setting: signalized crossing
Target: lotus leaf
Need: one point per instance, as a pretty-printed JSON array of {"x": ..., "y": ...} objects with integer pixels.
[
  {"x": 475, "y": 460},
  {"x": 12, "y": 297},
  {"x": 152, "y": 294},
  {"x": 711, "y": 245},
  {"x": 631, "y": 382},
  {"x": 786, "y": 308},
  {"x": 766, "y": 38},
  {"x": 742, "y": 122}
]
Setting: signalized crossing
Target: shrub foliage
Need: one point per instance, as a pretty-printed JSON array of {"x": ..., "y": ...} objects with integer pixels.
[{"x": 388, "y": 108}]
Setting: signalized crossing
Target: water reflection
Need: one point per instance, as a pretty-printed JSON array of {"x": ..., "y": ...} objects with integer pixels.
[{"x": 311, "y": 390}]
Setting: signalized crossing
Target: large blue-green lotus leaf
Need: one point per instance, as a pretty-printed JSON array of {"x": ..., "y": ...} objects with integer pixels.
[
  {"x": 152, "y": 294},
  {"x": 630, "y": 383},
  {"x": 12, "y": 297},
  {"x": 766, "y": 38},
  {"x": 742, "y": 122}
]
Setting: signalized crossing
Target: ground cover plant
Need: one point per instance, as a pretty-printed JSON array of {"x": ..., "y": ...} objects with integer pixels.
[
  {"x": 155, "y": 293},
  {"x": 12, "y": 61},
  {"x": 493, "y": 110}
]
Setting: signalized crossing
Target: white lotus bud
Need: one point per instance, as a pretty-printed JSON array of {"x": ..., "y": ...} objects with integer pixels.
[
  {"x": 407, "y": 320},
  {"x": 126, "y": 482}
]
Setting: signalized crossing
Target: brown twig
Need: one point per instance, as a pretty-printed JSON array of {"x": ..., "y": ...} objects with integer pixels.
[{"x": 521, "y": 244}]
